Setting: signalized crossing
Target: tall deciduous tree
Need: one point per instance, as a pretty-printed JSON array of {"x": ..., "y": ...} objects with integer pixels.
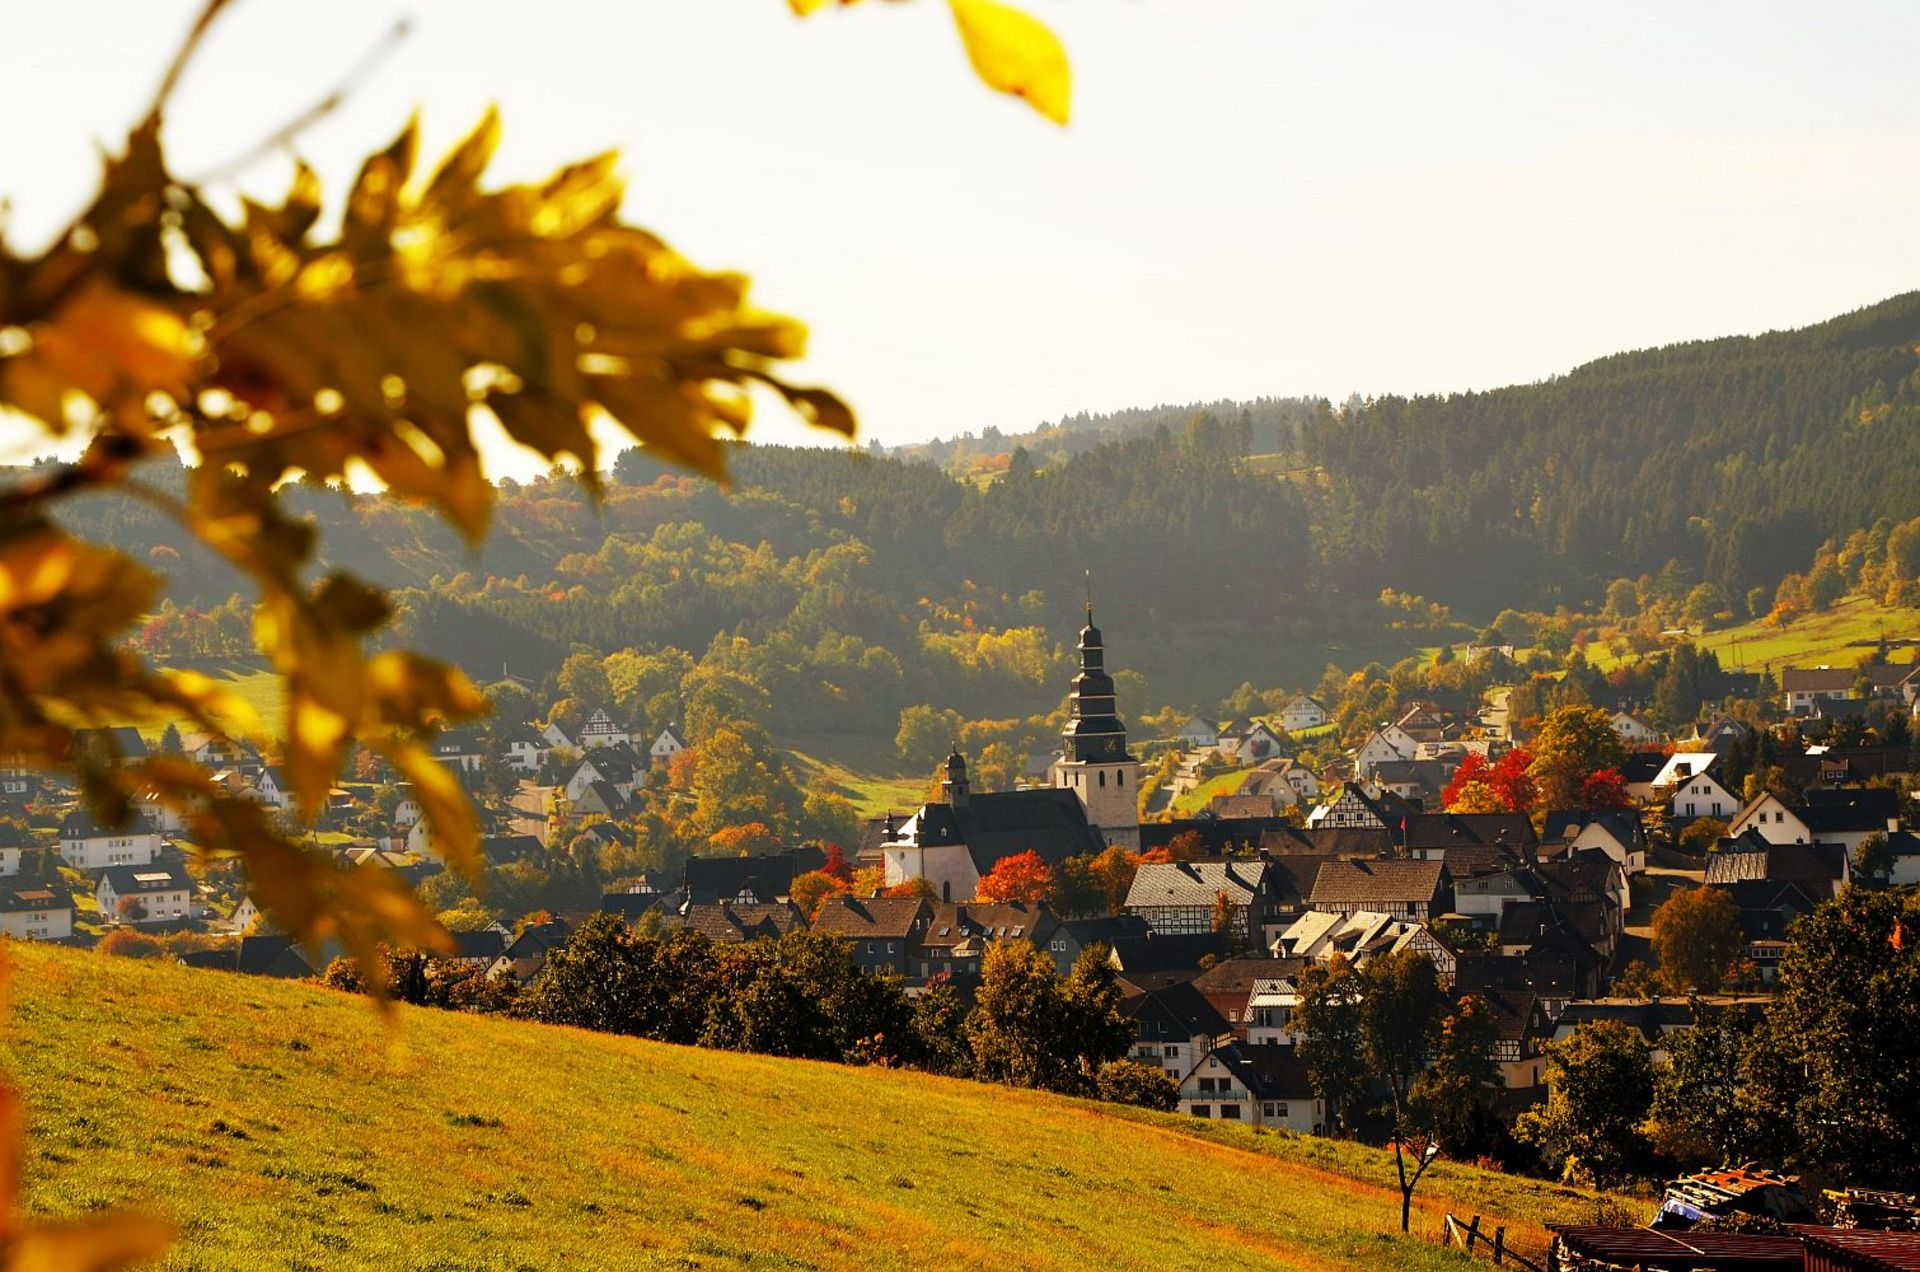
[
  {"x": 1599, "y": 1085},
  {"x": 1573, "y": 743},
  {"x": 1332, "y": 1043},
  {"x": 1400, "y": 1008},
  {"x": 1024, "y": 876},
  {"x": 1696, "y": 936}
]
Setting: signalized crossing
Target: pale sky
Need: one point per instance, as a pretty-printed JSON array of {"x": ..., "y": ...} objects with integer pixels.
[{"x": 1255, "y": 197}]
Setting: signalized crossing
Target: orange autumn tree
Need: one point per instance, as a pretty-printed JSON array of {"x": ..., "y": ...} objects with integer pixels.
[
  {"x": 1023, "y": 877},
  {"x": 360, "y": 340}
]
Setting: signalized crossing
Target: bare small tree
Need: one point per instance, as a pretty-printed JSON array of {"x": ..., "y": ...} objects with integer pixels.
[{"x": 1423, "y": 1147}]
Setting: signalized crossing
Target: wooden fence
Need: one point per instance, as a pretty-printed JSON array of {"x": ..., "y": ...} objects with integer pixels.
[{"x": 1467, "y": 1235}]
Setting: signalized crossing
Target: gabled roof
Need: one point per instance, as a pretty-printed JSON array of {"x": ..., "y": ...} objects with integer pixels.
[
  {"x": 1549, "y": 976},
  {"x": 1849, "y": 810},
  {"x": 130, "y": 881},
  {"x": 82, "y": 824},
  {"x": 1623, "y": 824},
  {"x": 1105, "y": 930},
  {"x": 602, "y": 796},
  {"x": 486, "y": 943},
  {"x": 501, "y": 850},
  {"x": 535, "y": 939},
  {"x": 1823, "y": 865},
  {"x": 1162, "y": 952},
  {"x": 1290, "y": 879},
  {"x": 616, "y": 764},
  {"x": 1325, "y": 841},
  {"x": 1641, "y": 766},
  {"x": 871, "y": 918},
  {"x": 1050, "y": 821},
  {"x": 1377, "y": 882},
  {"x": 1195, "y": 883},
  {"x": 710, "y": 880},
  {"x": 1268, "y": 1071},
  {"x": 1550, "y": 925},
  {"x": 630, "y": 906},
  {"x": 730, "y": 924},
  {"x": 271, "y": 955},
  {"x": 1176, "y": 1010},
  {"x": 1684, "y": 766},
  {"x": 951, "y": 923},
  {"x": 35, "y": 896},
  {"x": 125, "y": 739}
]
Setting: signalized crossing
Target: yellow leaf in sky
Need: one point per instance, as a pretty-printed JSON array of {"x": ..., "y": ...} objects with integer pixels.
[{"x": 1016, "y": 54}]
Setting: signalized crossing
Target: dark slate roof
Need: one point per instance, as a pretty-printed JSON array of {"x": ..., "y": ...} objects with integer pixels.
[
  {"x": 730, "y": 924},
  {"x": 950, "y": 922},
  {"x": 1651, "y": 1016},
  {"x": 271, "y": 955},
  {"x": 1217, "y": 834},
  {"x": 1177, "y": 1010},
  {"x": 1821, "y": 865},
  {"x": 1159, "y": 952},
  {"x": 1233, "y": 978},
  {"x": 19, "y": 898},
  {"x": 1105, "y": 930},
  {"x": 1268, "y": 1071},
  {"x": 602, "y": 797},
  {"x": 996, "y": 824},
  {"x": 615, "y": 764},
  {"x": 125, "y": 739},
  {"x": 709, "y": 880},
  {"x": 1531, "y": 922},
  {"x": 1642, "y": 766},
  {"x": 82, "y": 824},
  {"x": 129, "y": 881},
  {"x": 630, "y": 906},
  {"x": 1782, "y": 895},
  {"x": 1546, "y": 975},
  {"x": 535, "y": 939},
  {"x": 1429, "y": 831},
  {"x": 1373, "y": 882},
  {"x": 486, "y": 943},
  {"x": 1623, "y": 824},
  {"x": 1321, "y": 841},
  {"x": 1854, "y": 809},
  {"x": 882, "y": 918},
  {"x": 501, "y": 850},
  {"x": 1195, "y": 883},
  {"x": 1514, "y": 1010}
]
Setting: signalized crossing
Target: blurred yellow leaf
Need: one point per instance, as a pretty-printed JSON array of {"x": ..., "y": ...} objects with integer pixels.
[
  {"x": 103, "y": 1243},
  {"x": 1015, "y": 53}
]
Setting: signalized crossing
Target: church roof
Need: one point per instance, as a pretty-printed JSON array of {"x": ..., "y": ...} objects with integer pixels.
[{"x": 997, "y": 824}]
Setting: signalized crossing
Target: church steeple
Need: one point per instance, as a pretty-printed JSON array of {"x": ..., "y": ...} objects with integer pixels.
[
  {"x": 1094, "y": 731},
  {"x": 954, "y": 785}
]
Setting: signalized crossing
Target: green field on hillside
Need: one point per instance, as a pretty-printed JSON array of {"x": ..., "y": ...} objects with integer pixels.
[
  {"x": 246, "y": 679},
  {"x": 864, "y": 768},
  {"x": 284, "y": 1126},
  {"x": 1838, "y": 638},
  {"x": 1200, "y": 796}
]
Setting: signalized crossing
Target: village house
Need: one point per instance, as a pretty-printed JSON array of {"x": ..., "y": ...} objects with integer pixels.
[
  {"x": 524, "y": 750},
  {"x": 758, "y": 880},
  {"x": 40, "y": 912},
  {"x": 87, "y": 844},
  {"x": 1688, "y": 785},
  {"x": 1617, "y": 832},
  {"x": 731, "y": 923},
  {"x": 956, "y": 842},
  {"x": 1197, "y": 733},
  {"x": 1401, "y": 889},
  {"x": 1388, "y": 742},
  {"x": 1820, "y": 870},
  {"x": 1469, "y": 843},
  {"x": 602, "y": 730},
  {"x": 1256, "y": 1085},
  {"x": 611, "y": 762},
  {"x": 1635, "y": 731},
  {"x": 146, "y": 894},
  {"x": 1420, "y": 781},
  {"x": 1843, "y": 817},
  {"x": 1249, "y": 742},
  {"x": 526, "y": 954},
  {"x": 881, "y": 932},
  {"x": 666, "y": 746},
  {"x": 1074, "y": 936},
  {"x": 956, "y": 936},
  {"x": 459, "y": 750},
  {"x": 1177, "y": 897},
  {"x": 1357, "y": 808},
  {"x": 122, "y": 744},
  {"x": 1816, "y": 690},
  {"x": 1175, "y": 1027},
  {"x": 1303, "y": 713}
]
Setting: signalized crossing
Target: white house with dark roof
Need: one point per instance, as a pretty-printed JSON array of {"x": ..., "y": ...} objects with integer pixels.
[
  {"x": 146, "y": 894},
  {"x": 1686, "y": 783},
  {"x": 1633, "y": 730},
  {"x": 601, "y": 729},
  {"x": 1198, "y": 733},
  {"x": 524, "y": 750},
  {"x": 666, "y": 746},
  {"x": 1176, "y": 897},
  {"x": 40, "y": 912},
  {"x": 1401, "y": 889},
  {"x": 88, "y": 844},
  {"x": 1303, "y": 713}
]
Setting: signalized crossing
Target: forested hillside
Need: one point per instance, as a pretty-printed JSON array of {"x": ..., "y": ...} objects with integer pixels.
[
  {"x": 1733, "y": 457},
  {"x": 850, "y": 585}
]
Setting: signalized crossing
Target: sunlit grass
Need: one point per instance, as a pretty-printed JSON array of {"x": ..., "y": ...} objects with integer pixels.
[{"x": 284, "y": 1126}]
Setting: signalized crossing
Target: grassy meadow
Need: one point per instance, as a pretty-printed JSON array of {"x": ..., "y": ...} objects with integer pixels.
[
  {"x": 1838, "y": 637},
  {"x": 284, "y": 1126}
]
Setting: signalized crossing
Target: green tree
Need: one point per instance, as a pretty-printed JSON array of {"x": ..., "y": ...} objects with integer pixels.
[
  {"x": 1702, "y": 835},
  {"x": 1029, "y": 1027},
  {"x": 1873, "y": 857},
  {"x": 926, "y": 735},
  {"x": 1131, "y": 1082},
  {"x": 170, "y": 740},
  {"x": 1332, "y": 1043},
  {"x": 1841, "y": 1033},
  {"x": 1400, "y": 1010},
  {"x": 614, "y": 980},
  {"x": 940, "y": 1026},
  {"x": 1599, "y": 1087},
  {"x": 1696, "y": 937},
  {"x": 584, "y": 679},
  {"x": 1698, "y": 1117},
  {"x": 1573, "y": 743},
  {"x": 1453, "y": 1098}
]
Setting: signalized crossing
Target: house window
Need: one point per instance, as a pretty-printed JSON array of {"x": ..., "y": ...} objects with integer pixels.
[
  {"x": 1230, "y": 1111},
  {"x": 1203, "y": 1110},
  {"x": 1103, "y": 777}
]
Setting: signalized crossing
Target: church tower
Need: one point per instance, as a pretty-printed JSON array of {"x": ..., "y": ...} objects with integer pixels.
[{"x": 1096, "y": 765}]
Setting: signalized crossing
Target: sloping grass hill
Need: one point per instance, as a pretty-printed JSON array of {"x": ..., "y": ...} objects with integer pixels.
[{"x": 286, "y": 1127}]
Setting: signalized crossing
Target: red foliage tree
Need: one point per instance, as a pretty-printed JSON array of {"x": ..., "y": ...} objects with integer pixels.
[
  {"x": 1021, "y": 877},
  {"x": 1509, "y": 780},
  {"x": 1472, "y": 769},
  {"x": 837, "y": 866},
  {"x": 1605, "y": 789}
]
